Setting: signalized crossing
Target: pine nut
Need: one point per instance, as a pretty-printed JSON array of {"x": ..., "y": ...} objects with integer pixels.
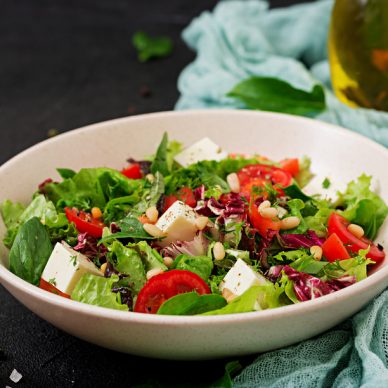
[
  {"x": 264, "y": 205},
  {"x": 153, "y": 272},
  {"x": 152, "y": 214},
  {"x": 316, "y": 251},
  {"x": 153, "y": 230},
  {"x": 268, "y": 212},
  {"x": 218, "y": 251},
  {"x": 289, "y": 223},
  {"x": 150, "y": 178},
  {"x": 356, "y": 230},
  {"x": 103, "y": 267},
  {"x": 228, "y": 295},
  {"x": 168, "y": 261},
  {"x": 201, "y": 222},
  {"x": 96, "y": 212},
  {"x": 233, "y": 182}
]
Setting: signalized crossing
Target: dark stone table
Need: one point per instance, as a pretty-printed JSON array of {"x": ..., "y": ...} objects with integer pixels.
[{"x": 65, "y": 64}]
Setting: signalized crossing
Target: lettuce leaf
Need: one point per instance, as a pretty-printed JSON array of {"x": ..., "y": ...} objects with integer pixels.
[
  {"x": 295, "y": 206},
  {"x": 363, "y": 206},
  {"x": 97, "y": 290},
  {"x": 200, "y": 265}
]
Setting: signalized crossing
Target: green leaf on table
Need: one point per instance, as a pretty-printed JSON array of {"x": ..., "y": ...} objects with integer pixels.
[
  {"x": 149, "y": 47},
  {"x": 273, "y": 94},
  {"x": 30, "y": 251},
  {"x": 231, "y": 370}
]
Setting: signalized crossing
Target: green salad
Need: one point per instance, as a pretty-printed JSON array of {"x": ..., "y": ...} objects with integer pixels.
[{"x": 194, "y": 231}]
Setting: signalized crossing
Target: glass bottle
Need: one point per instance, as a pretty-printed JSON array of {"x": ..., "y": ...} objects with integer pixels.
[{"x": 358, "y": 52}]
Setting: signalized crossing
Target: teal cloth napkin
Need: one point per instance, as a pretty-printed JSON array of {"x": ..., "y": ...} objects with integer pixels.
[{"x": 244, "y": 38}]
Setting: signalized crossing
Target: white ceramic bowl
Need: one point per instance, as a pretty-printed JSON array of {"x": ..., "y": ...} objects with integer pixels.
[{"x": 336, "y": 153}]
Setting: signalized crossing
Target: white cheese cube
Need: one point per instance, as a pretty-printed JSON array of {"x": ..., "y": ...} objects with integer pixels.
[
  {"x": 241, "y": 277},
  {"x": 204, "y": 149},
  {"x": 66, "y": 266},
  {"x": 178, "y": 222}
]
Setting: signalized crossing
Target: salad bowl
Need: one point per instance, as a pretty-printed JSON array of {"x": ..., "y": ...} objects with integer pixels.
[{"x": 336, "y": 153}]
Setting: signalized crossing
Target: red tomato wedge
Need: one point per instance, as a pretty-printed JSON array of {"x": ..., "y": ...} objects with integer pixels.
[
  {"x": 185, "y": 194},
  {"x": 166, "y": 285},
  {"x": 51, "y": 288},
  {"x": 339, "y": 225},
  {"x": 133, "y": 171},
  {"x": 84, "y": 222},
  {"x": 260, "y": 174},
  {"x": 290, "y": 165},
  {"x": 261, "y": 224},
  {"x": 333, "y": 249}
]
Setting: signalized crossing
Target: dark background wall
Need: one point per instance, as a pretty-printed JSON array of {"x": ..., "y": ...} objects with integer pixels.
[{"x": 65, "y": 64}]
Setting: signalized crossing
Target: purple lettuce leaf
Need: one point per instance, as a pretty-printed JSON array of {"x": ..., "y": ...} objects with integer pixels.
[{"x": 296, "y": 241}]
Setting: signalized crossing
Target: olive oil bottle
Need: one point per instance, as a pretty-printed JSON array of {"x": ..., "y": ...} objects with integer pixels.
[{"x": 358, "y": 52}]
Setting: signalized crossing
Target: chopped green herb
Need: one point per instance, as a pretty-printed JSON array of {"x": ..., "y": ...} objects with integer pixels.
[
  {"x": 326, "y": 183},
  {"x": 73, "y": 260},
  {"x": 53, "y": 281},
  {"x": 149, "y": 47}
]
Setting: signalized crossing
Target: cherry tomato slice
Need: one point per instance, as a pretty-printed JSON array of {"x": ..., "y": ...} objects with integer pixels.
[
  {"x": 51, "y": 288},
  {"x": 166, "y": 285},
  {"x": 84, "y": 222},
  {"x": 339, "y": 225},
  {"x": 261, "y": 224},
  {"x": 334, "y": 249},
  {"x": 133, "y": 171},
  {"x": 184, "y": 194},
  {"x": 290, "y": 165}
]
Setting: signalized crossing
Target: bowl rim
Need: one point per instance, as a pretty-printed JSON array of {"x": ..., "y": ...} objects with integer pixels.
[{"x": 6, "y": 277}]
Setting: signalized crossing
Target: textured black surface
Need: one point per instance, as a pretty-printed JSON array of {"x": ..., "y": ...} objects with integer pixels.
[{"x": 64, "y": 64}]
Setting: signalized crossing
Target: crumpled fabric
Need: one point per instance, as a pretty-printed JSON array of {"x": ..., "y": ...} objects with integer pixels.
[{"x": 244, "y": 38}]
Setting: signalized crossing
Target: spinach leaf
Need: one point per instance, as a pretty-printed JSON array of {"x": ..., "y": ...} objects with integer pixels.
[
  {"x": 151, "y": 47},
  {"x": 30, "y": 251},
  {"x": 160, "y": 162},
  {"x": 190, "y": 303},
  {"x": 294, "y": 191},
  {"x": 272, "y": 94},
  {"x": 200, "y": 265},
  {"x": 97, "y": 290}
]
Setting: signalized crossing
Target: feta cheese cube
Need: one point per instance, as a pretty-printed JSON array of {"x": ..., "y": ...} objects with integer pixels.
[
  {"x": 66, "y": 266},
  {"x": 178, "y": 222},
  {"x": 241, "y": 277},
  {"x": 204, "y": 149}
]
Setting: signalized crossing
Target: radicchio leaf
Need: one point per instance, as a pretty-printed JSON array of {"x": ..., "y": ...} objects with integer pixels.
[
  {"x": 296, "y": 241},
  {"x": 197, "y": 247},
  {"x": 88, "y": 246}
]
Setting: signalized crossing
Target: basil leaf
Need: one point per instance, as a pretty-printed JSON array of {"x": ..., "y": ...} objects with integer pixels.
[
  {"x": 30, "y": 251},
  {"x": 151, "y": 47},
  {"x": 272, "y": 94}
]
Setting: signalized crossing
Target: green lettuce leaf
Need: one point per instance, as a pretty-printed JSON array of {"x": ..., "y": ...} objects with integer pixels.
[
  {"x": 363, "y": 206},
  {"x": 97, "y": 290},
  {"x": 128, "y": 262},
  {"x": 30, "y": 251},
  {"x": 356, "y": 266},
  {"x": 295, "y": 206},
  {"x": 304, "y": 175},
  {"x": 200, "y": 265},
  {"x": 150, "y": 257}
]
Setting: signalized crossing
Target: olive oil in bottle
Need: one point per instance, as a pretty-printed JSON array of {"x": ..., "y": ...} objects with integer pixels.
[{"x": 358, "y": 52}]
